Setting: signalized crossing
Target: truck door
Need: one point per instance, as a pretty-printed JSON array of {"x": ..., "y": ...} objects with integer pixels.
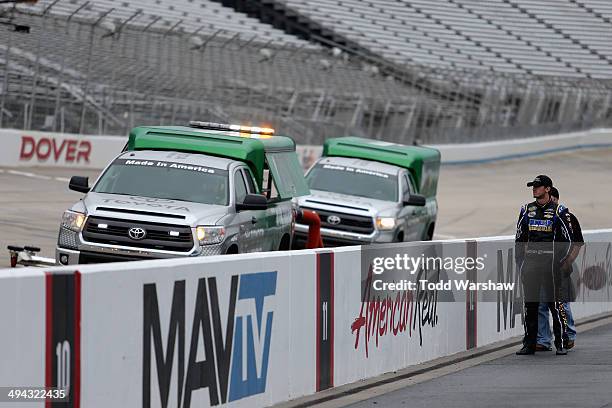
[
  {"x": 278, "y": 214},
  {"x": 421, "y": 213},
  {"x": 246, "y": 219},
  {"x": 411, "y": 215},
  {"x": 260, "y": 220}
]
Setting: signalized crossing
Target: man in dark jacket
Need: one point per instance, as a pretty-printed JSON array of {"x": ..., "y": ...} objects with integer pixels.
[{"x": 543, "y": 243}]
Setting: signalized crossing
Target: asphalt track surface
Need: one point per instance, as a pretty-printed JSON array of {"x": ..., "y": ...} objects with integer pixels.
[
  {"x": 474, "y": 200},
  {"x": 582, "y": 378},
  {"x": 32, "y": 202}
]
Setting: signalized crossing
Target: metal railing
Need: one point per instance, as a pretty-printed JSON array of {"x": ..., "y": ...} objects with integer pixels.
[{"x": 76, "y": 74}]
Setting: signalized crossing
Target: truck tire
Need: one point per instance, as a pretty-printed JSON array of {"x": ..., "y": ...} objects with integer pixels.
[{"x": 232, "y": 250}]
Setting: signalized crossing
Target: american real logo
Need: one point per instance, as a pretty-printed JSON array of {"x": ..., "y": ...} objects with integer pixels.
[{"x": 227, "y": 353}]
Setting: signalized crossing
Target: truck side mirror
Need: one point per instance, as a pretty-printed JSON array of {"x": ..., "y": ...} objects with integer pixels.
[
  {"x": 253, "y": 202},
  {"x": 79, "y": 183},
  {"x": 415, "y": 199}
]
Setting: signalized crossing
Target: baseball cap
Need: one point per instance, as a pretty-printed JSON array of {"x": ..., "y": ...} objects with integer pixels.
[{"x": 540, "y": 180}]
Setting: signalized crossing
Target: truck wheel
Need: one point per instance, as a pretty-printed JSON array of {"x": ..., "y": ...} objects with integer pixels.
[
  {"x": 285, "y": 243},
  {"x": 399, "y": 237},
  {"x": 232, "y": 250}
]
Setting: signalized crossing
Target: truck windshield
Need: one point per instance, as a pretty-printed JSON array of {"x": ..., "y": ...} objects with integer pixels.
[
  {"x": 162, "y": 179},
  {"x": 353, "y": 181}
]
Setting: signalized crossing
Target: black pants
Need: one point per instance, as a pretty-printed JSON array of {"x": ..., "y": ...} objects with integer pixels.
[
  {"x": 541, "y": 273},
  {"x": 559, "y": 323}
]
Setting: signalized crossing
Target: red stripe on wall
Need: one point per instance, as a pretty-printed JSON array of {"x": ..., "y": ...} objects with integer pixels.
[
  {"x": 318, "y": 379},
  {"x": 467, "y": 319},
  {"x": 325, "y": 320},
  {"x": 331, "y": 319},
  {"x": 476, "y": 324},
  {"x": 471, "y": 302},
  {"x": 76, "y": 391},
  {"x": 48, "y": 333}
]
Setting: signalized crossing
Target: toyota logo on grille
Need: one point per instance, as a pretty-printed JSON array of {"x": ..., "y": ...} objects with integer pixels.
[
  {"x": 137, "y": 233},
  {"x": 333, "y": 220}
]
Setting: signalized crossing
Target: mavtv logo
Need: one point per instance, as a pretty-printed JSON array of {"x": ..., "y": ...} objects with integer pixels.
[
  {"x": 509, "y": 302},
  {"x": 228, "y": 356}
]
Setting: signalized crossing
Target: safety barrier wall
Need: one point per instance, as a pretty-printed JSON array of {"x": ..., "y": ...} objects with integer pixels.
[
  {"x": 32, "y": 148},
  {"x": 510, "y": 149},
  {"x": 247, "y": 330}
]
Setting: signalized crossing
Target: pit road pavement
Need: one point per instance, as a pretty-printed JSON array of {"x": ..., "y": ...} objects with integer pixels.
[{"x": 582, "y": 378}]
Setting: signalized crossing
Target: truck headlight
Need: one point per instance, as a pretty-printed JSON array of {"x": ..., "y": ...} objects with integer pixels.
[
  {"x": 73, "y": 220},
  {"x": 385, "y": 223},
  {"x": 210, "y": 235}
]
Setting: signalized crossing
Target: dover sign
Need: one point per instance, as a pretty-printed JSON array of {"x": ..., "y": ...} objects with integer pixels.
[
  {"x": 249, "y": 330},
  {"x": 31, "y": 148}
]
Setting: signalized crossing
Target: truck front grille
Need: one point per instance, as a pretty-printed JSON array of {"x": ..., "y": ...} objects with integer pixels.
[
  {"x": 358, "y": 224},
  {"x": 166, "y": 237}
]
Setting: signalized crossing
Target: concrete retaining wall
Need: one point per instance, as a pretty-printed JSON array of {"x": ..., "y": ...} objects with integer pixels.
[
  {"x": 247, "y": 330},
  {"x": 31, "y": 149}
]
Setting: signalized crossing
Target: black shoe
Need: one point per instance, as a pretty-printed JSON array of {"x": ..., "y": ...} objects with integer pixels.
[
  {"x": 526, "y": 350},
  {"x": 561, "y": 351},
  {"x": 541, "y": 347},
  {"x": 570, "y": 344}
]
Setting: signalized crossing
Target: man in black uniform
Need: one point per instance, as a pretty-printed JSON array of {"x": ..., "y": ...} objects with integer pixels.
[{"x": 543, "y": 243}]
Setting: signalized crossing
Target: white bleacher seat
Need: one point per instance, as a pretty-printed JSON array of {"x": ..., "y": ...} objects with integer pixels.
[{"x": 497, "y": 34}]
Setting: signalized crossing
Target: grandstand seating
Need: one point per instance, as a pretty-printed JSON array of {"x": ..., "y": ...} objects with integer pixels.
[
  {"x": 571, "y": 38},
  {"x": 539, "y": 37},
  {"x": 172, "y": 64},
  {"x": 134, "y": 76},
  {"x": 205, "y": 16},
  {"x": 434, "y": 70}
]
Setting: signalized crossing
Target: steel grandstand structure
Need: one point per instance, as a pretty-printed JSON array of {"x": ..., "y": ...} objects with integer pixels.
[{"x": 403, "y": 70}]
